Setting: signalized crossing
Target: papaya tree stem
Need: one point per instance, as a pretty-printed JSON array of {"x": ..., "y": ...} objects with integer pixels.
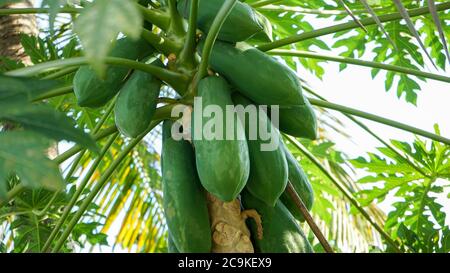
[
  {"x": 54, "y": 93},
  {"x": 187, "y": 55},
  {"x": 18, "y": 189},
  {"x": 75, "y": 163},
  {"x": 162, "y": 44},
  {"x": 217, "y": 24},
  {"x": 369, "y": 131},
  {"x": 156, "y": 17},
  {"x": 340, "y": 59},
  {"x": 385, "y": 121},
  {"x": 177, "y": 80},
  {"x": 344, "y": 191},
  {"x": 176, "y": 21},
  {"x": 68, "y": 208},
  {"x": 263, "y": 3},
  {"x": 61, "y": 73},
  {"x": 161, "y": 113},
  {"x": 167, "y": 100},
  {"x": 347, "y": 26},
  {"x": 317, "y": 11},
  {"x": 307, "y": 216},
  {"x": 77, "y": 148},
  {"x": 39, "y": 10},
  {"x": 99, "y": 185}
]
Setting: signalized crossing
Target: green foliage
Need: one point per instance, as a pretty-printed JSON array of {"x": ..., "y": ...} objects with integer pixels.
[
  {"x": 417, "y": 218},
  {"x": 22, "y": 154},
  {"x": 115, "y": 16},
  {"x": 43, "y": 50},
  {"x": 295, "y": 15}
]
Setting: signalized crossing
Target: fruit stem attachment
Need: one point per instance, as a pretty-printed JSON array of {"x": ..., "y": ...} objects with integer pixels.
[
  {"x": 217, "y": 24},
  {"x": 176, "y": 27},
  {"x": 156, "y": 17},
  {"x": 163, "y": 44},
  {"x": 305, "y": 213},
  {"x": 187, "y": 55}
]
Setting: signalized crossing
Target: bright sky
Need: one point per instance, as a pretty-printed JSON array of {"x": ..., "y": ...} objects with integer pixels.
[{"x": 355, "y": 88}]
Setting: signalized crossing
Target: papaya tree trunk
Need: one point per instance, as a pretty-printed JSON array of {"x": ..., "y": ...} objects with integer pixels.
[
  {"x": 11, "y": 27},
  {"x": 230, "y": 233}
]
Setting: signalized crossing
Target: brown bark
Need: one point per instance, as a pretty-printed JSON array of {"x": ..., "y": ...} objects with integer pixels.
[
  {"x": 11, "y": 27},
  {"x": 230, "y": 234}
]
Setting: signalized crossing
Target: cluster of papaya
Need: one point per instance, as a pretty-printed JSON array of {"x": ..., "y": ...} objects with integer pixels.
[{"x": 230, "y": 169}]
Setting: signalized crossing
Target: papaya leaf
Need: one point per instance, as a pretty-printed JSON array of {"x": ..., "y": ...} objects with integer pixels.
[
  {"x": 377, "y": 20},
  {"x": 437, "y": 22},
  {"x": 36, "y": 220},
  {"x": 418, "y": 218},
  {"x": 50, "y": 123},
  {"x": 23, "y": 153},
  {"x": 19, "y": 89},
  {"x": 412, "y": 28},
  {"x": 350, "y": 12},
  {"x": 114, "y": 16}
]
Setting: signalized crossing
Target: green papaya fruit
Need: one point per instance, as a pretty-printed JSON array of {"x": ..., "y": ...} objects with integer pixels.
[
  {"x": 92, "y": 91},
  {"x": 256, "y": 75},
  {"x": 137, "y": 102},
  {"x": 171, "y": 247},
  {"x": 268, "y": 167},
  {"x": 223, "y": 161},
  {"x": 281, "y": 233},
  {"x": 184, "y": 199},
  {"x": 299, "y": 121},
  {"x": 267, "y": 34},
  {"x": 242, "y": 23},
  {"x": 301, "y": 184}
]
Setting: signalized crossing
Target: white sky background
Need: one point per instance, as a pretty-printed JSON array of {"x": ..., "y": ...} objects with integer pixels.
[{"x": 355, "y": 88}]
